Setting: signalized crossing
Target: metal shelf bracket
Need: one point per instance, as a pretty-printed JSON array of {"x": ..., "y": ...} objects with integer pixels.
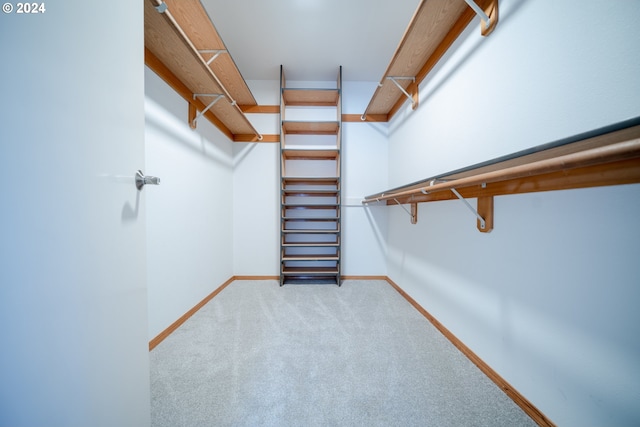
[
  {"x": 216, "y": 97},
  {"x": 162, "y": 7},
  {"x": 216, "y": 53},
  {"x": 483, "y": 223},
  {"x": 484, "y": 212},
  {"x": 413, "y": 98},
  {"x": 489, "y": 16},
  {"x": 413, "y": 213}
]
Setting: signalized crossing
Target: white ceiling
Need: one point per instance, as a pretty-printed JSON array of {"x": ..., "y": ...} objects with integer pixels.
[{"x": 311, "y": 38}]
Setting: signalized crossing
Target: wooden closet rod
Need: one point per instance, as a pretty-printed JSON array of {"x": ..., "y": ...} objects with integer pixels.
[{"x": 611, "y": 153}]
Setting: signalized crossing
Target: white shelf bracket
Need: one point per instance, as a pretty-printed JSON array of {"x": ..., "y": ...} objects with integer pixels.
[
  {"x": 483, "y": 224},
  {"x": 216, "y": 53},
  {"x": 413, "y": 213},
  {"x": 162, "y": 7},
  {"x": 488, "y": 23},
  {"x": 216, "y": 98},
  {"x": 407, "y": 94},
  {"x": 478, "y": 10},
  {"x": 394, "y": 79}
]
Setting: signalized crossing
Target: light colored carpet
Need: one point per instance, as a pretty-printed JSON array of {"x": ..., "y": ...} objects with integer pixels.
[{"x": 302, "y": 355}]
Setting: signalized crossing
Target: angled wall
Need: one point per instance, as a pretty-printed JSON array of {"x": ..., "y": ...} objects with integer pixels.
[
  {"x": 547, "y": 298},
  {"x": 256, "y": 193},
  {"x": 190, "y": 215},
  {"x": 364, "y": 171}
]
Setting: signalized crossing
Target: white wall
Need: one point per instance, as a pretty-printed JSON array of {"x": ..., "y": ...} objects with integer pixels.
[
  {"x": 190, "y": 215},
  {"x": 364, "y": 171},
  {"x": 256, "y": 201},
  {"x": 73, "y": 342},
  {"x": 548, "y": 298}
]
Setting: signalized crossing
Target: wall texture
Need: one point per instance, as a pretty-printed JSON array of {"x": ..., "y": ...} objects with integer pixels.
[
  {"x": 190, "y": 215},
  {"x": 73, "y": 294},
  {"x": 365, "y": 171},
  {"x": 548, "y": 297},
  {"x": 256, "y": 200}
]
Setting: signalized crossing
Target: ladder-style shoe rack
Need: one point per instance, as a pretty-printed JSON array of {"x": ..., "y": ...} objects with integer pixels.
[{"x": 310, "y": 177}]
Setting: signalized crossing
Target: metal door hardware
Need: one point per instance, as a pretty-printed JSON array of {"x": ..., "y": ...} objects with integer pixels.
[{"x": 142, "y": 180}]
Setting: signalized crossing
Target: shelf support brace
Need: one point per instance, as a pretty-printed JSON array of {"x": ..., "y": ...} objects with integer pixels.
[
  {"x": 413, "y": 213},
  {"x": 162, "y": 7},
  {"x": 482, "y": 222},
  {"x": 478, "y": 10},
  {"x": 485, "y": 209},
  {"x": 490, "y": 20},
  {"x": 475, "y": 212},
  {"x": 413, "y": 98},
  {"x": 216, "y": 53},
  {"x": 193, "y": 120}
]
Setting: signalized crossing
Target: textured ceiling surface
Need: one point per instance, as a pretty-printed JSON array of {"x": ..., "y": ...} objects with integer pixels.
[{"x": 311, "y": 38}]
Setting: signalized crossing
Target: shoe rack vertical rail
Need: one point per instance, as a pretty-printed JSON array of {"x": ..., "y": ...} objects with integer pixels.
[{"x": 310, "y": 179}]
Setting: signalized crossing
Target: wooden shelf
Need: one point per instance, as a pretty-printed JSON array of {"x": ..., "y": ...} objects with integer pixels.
[
  {"x": 311, "y": 231},
  {"x": 310, "y": 193},
  {"x": 328, "y": 279},
  {"x": 311, "y": 205},
  {"x": 310, "y": 128},
  {"x": 311, "y": 244},
  {"x": 311, "y": 257},
  {"x": 304, "y": 189},
  {"x": 174, "y": 43},
  {"x": 435, "y": 25},
  {"x": 299, "y": 154},
  {"x": 305, "y": 180},
  {"x": 311, "y": 97},
  {"x": 316, "y": 271},
  {"x": 309, "y": 219},
  {"x": 606, "y": 156}
]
